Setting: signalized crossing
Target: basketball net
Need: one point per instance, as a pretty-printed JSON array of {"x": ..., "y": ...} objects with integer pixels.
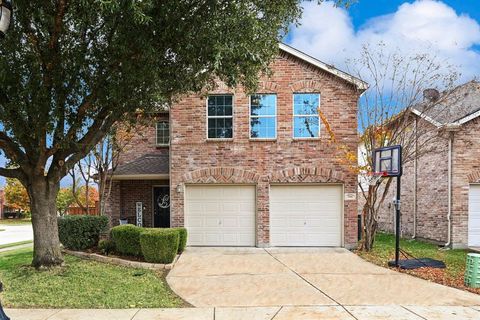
[{"x": 375, "y": 177}]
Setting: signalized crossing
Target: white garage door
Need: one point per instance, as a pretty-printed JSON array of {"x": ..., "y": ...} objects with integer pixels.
[
  {"x": 220, "y": 215},
  {"x": 474, "y": 216},
  {"x": 306, "y": 215}
]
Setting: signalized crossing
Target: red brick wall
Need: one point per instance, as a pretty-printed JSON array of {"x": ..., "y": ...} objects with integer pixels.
[
  {"x": 196, "y": 160},
  {"x": 142, "y": 140}
]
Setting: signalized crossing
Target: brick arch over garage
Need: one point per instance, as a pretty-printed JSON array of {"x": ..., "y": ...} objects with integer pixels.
[
  {"x": 221, "y": 175},
  {"x": 307, "y": 174},
  {"x": 474, "y": 177}
]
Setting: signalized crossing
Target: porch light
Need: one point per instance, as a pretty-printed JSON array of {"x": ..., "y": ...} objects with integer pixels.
[{"x": 5, "y": 16}]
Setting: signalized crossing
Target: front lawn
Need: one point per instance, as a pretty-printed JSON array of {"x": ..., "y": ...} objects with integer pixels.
[
  {"x": 81, "y": 284},
  {"x": 455, "y": 260}
]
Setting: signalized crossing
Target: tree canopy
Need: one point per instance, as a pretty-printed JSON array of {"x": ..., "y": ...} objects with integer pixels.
[{"x": 70, "y": 69}]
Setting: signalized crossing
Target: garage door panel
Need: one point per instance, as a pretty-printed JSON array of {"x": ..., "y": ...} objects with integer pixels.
[
  {"x": 474, "y": 216},
  {"x": 220, "y": 215},
  {"x": 305, "y": 215}
]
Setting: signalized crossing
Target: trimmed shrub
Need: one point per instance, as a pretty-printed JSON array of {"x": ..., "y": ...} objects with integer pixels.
[
  {"x": 127, "y": 239},
  {"x": 182, "y": 233},
  {"x": 159, "y": 245},
  {"x": 106, "y": 246},
  {"x": 81, "y": 232}
]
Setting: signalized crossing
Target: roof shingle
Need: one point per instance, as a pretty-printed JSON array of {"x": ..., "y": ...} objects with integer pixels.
[
  {"x": 146, "y": 164},
  {"x": 453, "y": 105}
]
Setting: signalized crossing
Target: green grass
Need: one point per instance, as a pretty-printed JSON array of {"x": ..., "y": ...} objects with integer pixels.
[
  {"x": 384, "y": 250},
  {"x": 15, "y": 222},
  {"x": 14, "y": 244},
  {"x": 2, "y": 230},
  {"x": 81, "y": 284}
]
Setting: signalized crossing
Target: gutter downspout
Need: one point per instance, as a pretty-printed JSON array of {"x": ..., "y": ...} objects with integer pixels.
[
  {"x": 414, "y": 235},
  {"x": 449, "y": 215}
]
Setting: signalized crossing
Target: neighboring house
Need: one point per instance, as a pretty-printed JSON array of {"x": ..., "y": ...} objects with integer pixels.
[
  {"x": 8, "y": 211},
  {"x": 441, "y": 189},
  {"x": 249, "y": 170}
]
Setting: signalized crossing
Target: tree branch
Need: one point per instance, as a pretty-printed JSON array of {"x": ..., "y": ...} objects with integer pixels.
[{"x": 13, "y": 173}]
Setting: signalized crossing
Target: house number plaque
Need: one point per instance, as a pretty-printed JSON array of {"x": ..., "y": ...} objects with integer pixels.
[{"x": 350, "y": 196}]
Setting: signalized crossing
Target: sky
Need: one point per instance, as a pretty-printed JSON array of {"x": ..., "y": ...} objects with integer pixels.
[{"x": 448, "y": 29}]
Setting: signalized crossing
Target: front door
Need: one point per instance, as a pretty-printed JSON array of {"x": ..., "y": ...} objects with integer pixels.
[{"x": 161, "y": 205}]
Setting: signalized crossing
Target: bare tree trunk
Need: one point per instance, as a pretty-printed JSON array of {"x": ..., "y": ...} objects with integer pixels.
[
  {"x": 370, "y": 223},
  {"x": 46, "y": 244}
]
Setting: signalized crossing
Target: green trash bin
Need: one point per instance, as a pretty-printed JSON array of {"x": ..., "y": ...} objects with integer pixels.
[{"x": 472, "y": 272}]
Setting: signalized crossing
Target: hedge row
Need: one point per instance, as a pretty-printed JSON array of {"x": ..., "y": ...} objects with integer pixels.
[
  {"x": 81, "y": 232},
  {"x": 155, "y": 245}
]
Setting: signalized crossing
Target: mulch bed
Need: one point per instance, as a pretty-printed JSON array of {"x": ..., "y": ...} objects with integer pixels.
[
  {"x": 114, "y": 255},
  {"x": 442, "y": 277}
]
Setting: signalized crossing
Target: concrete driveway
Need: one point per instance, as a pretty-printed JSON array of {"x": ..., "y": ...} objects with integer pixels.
[
  {"x": 254, "y": 277},
  {"x": 15, "y": 233}
]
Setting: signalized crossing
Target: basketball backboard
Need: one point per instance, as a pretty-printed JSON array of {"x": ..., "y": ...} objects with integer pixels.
[{"x": 388, "y": 161}]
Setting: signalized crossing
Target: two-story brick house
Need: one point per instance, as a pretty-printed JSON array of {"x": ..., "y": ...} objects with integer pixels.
[{"x": 240, "y": 169}]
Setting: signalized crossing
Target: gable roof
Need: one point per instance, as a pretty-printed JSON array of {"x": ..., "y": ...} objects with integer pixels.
[
  {"x": 360, "y": 84},
  {"x": 148, "y": 166},
  {"x": 455, "y": 107}
]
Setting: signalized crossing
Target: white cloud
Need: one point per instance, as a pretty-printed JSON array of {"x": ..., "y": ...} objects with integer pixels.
[{"x": 327, "y": 33}]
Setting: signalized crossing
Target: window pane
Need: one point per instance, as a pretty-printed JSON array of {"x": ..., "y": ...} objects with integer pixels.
[
  {"x": 306, "y": 103},
  {"x": 263, "y": 104},
  {"x": 263, "y": 127},
  {"x": 219, "y": 106},
  {"x": 163, "y": 133},
  {"x": 220, "y": 128},
  {"x": 220, "y": 116},
  {"x": 305, "y": 127}
]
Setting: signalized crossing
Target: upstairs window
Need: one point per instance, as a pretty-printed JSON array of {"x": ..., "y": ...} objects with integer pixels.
[
  {"x": 163, "y": 133},
  {"x": 220, "y": 117},
  {"x": 263, "y": 116},
  {"x": 306, "y": 121}
]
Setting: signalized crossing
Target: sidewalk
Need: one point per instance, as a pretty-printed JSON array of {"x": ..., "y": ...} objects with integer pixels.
[{"x": 256, "y": 313}]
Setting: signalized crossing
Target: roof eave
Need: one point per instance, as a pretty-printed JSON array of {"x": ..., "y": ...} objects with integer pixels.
[
  {"x": 160, "y": 176},
  {"x": 360, "y": 84},
  {"x": 425, "y": 117}
]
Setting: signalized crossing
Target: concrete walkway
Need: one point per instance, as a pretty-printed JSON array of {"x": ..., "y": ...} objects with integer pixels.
[
  {"x": 254, "y": 277},
  {"x": 259, "y": 313},
  {"x": 15, "y": 233}
]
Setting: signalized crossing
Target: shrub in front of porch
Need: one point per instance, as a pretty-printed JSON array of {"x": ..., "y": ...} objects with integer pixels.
[
  {"x": 127, "y": 239},
  {"x": 82, "y": 231},
  {"x": 160, "y": 245},
  {"x": 182, "y": 233}
]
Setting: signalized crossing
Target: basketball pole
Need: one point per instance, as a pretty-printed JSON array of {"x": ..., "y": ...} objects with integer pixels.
[{"x": 397, "y": 223}]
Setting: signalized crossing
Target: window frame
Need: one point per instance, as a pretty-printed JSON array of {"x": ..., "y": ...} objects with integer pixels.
[
  {"x": 305, "y": 115},
  {"x": 262, "y": 116},
  {"x": 157, "y": 144},
  {"x": 220, "y": 117}
]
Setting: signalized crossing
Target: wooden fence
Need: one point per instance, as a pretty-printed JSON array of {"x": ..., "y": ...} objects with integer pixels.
[{"x": 92, "y": 211}]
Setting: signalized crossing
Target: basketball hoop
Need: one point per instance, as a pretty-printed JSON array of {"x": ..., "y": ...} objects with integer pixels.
[{"x": 376, "y": 177}]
